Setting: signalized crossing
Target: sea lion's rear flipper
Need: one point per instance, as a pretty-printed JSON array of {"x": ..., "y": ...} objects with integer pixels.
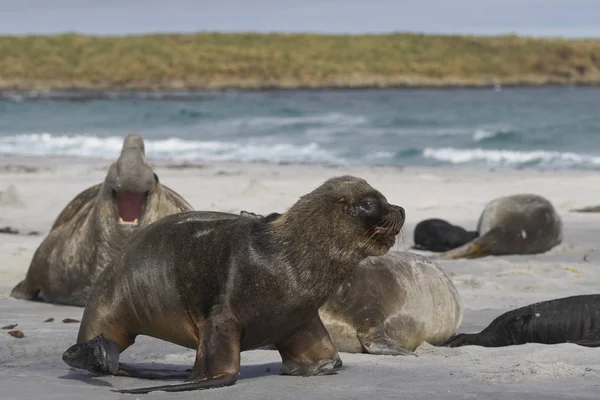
[
  {"x": 461, "y": 339},
  {"x": 181, "y": 387},
  {"x": 587, "y": 342},
  {"x": 99, "y": 355},
  {"x": 22, "y": 292},
  {"x": 378, "y": 343}
]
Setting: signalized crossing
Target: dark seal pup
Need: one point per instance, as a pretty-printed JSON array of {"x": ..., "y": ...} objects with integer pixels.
[
  {"x": 574, "y": 319},
  {"x": 95, "y": 225},
  {"x": 438, "y": 235},
  {"x": 222, "y": 283},
  {"x": 518, "y": 224}
]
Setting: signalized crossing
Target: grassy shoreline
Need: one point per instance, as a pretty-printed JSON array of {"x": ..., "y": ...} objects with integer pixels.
[{"x": 248, "y": 61}]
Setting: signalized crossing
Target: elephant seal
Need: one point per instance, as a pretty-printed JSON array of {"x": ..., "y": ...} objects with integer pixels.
[
  {"x": 223, "y": 283},
  {"x": 566, "y": 320},
  {"x": 438, "y": 235},
  {"x": 392, "y": 304},
  {"x": 94, "y": 226},
  {"x": 518, "y": 224}
]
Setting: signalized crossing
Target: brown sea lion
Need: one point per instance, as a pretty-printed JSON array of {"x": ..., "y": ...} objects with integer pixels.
[
  {"x": 390, "y": 304},
  {"x": 95, "y": 225},
  {"x": 224, "y": 283},
  {"x": 518, "y": 224}
]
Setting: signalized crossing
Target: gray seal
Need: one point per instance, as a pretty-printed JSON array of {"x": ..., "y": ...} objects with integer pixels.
[
  {"x": 222, "y": 283},
  {"x": 95, "y": 225},
  {"x": 518, "y": 224}
]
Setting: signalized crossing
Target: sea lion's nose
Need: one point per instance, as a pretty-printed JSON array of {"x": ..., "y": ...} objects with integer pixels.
[{"x": 400, "y": 211}]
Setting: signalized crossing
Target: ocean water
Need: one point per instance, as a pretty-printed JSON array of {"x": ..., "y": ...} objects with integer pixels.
[{"x": 547, "y": 128}]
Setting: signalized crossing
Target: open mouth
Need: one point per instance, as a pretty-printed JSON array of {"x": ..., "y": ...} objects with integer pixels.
[{"x": 130, "y": 206}]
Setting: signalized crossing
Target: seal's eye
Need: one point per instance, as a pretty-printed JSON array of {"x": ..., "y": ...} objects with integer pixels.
[{"x": 366, "y": 206}]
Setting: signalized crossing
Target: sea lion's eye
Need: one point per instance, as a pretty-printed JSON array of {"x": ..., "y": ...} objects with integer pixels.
[{"x": 366, "y": 206}]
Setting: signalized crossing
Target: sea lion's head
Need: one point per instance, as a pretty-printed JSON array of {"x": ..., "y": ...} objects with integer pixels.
[
  {"x": 349, "y": 215},
  {"x": 129, "y": 184}
]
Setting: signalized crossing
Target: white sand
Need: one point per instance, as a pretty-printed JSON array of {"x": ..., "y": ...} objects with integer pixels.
[{"x": 32, "y": 367}]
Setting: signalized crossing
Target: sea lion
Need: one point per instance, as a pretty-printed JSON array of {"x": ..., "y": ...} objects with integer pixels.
[
  {"x": 95, "y": 225},
  {"x": 438, "y": 235},
  {"x": 390, "y": 304},
  {"x": 566, "y": 320},
  {"x": 224, "y": 283},
  {"x": 518, "y": 224}
]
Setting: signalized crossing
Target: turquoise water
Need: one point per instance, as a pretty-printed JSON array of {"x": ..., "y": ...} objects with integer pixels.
[{"x": 513, "y": 127}]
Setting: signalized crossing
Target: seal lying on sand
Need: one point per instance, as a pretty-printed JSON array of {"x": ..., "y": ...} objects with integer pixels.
[
  {"x": 518, "y": 224},
  {"x": 94, "y": 226},
  {"x": 390, "y": 304},
  {"x": 223, "y": 283},
  {"x": 572, "y": 319},
  {"x": 439, "y": 235},
  {"x": 590, "y": 209}
]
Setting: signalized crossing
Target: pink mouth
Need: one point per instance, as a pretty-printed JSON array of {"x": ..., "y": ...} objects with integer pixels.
[{"x": 130, "y": 206}]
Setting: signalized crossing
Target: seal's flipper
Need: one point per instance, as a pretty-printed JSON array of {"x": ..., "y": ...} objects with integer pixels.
[
  {"x": 472, "y": 249},
  {"x": 181, "y": 387},
  {"x": 378, "y": 343},
  {"x": 136, "y": 372},
  {"x": 309, "y": 351},
  {"x": 23, "y": 293},
  {"x": 99, "y": 355}
]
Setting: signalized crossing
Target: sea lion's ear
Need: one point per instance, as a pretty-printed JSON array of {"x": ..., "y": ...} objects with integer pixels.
[{"x": 156, "y": 178}]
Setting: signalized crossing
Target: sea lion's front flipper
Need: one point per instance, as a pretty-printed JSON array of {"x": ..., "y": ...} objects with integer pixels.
[
  {"x": 145, "y": 373},
  {"x": 217, "y": 359},
  {"x": 378, "y": 343},
  {"x": 181, "y": 387},
  {"x": 309, "y": 352}
]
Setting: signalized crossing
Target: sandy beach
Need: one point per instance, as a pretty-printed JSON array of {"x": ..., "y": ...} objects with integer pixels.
[{"x": 36, "y": 189}]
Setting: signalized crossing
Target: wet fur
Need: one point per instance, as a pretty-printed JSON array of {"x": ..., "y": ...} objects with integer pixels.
[{"x": 223, "y": 283}]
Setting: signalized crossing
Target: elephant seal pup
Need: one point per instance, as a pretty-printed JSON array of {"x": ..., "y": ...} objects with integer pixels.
[
  {"x": 518, "y": 224},
  {"x": 94, "y": 226},
  {"x": 439, "y": 235},
  {"x": 572, "y": 319},
  {"x": 392, "y": 304},
  {"x": 223, "y": 283}
]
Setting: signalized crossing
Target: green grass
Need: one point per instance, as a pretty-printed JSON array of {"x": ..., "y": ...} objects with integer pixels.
[{"x": 214, "y": 60}]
